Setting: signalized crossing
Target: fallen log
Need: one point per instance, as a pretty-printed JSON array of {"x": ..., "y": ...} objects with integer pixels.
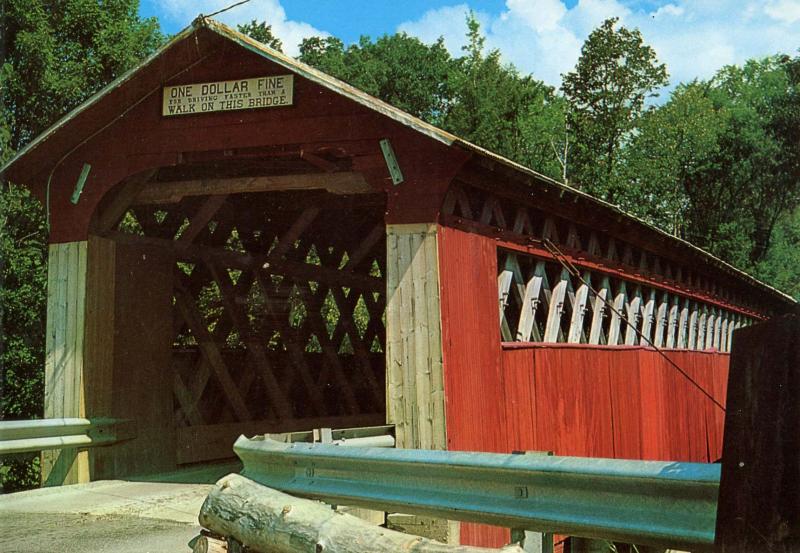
[
  {"x": 269, "y": 521},
  {"x": 207, "y": 544}
]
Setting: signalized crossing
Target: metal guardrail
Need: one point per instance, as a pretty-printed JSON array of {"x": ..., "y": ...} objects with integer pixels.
[
  {"x": 641, "y": 502},
  {"x": 364, "y": 436},
  {"x": 28, "y": 436}
]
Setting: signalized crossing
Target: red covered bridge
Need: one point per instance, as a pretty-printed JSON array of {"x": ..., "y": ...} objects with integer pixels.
[{"x": 242, "y": 244}]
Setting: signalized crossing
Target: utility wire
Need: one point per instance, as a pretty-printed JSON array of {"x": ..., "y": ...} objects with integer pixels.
[
  {"x": 575, "y": 272},
  {"x": 226, "y": 9}
]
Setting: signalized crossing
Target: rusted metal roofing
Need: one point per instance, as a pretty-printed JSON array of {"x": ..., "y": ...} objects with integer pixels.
[{"x": 389, "y": 111}]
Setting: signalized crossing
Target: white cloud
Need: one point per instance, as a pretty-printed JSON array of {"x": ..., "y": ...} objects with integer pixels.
[
  {"x": 290, "y": 32},
  {"x": 694, "y": 38},
  {"x": 787, "y": 11},
  {"x": 448, "y": 22},
  {"x": 667, "y": 10}
]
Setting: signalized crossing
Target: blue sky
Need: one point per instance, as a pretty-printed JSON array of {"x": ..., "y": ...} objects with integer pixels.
[{"x": 543, "y": 37}]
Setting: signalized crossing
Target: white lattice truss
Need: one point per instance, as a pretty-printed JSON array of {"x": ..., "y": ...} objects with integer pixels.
[{"x": 540, "y": 301}]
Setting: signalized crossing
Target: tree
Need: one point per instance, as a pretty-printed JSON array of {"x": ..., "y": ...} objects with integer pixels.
[
  {"x": 499, "y": 109},
  {"x": 672, "y": 145},
  {"x": 718, "y": 163},
  {"x": 615, "y": 74},
  {"x": 474, "y": 96},
  {"x": 56, "y": 54},
  {"x": 262, "y": 33},
  {"x": 398, "y": 69}
]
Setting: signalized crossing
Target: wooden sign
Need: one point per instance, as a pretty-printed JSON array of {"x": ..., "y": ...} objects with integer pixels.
[{"x": 259, "y": 92}]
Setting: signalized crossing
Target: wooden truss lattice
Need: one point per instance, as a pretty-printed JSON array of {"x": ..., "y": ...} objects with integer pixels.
[
  {"x": 279, "y": 303},
  {"x": 478, "y": 207},
  {"x": 540, "y": 301}
]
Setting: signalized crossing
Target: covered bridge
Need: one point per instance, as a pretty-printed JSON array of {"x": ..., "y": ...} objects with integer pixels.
[{"x": 242, "y": 244}]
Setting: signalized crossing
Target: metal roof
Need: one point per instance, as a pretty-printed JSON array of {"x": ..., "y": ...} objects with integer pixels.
[{"x": 392, "y": 112}]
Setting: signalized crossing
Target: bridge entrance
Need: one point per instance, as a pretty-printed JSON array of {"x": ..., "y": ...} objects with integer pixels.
[{"x": 248, "y": 298}]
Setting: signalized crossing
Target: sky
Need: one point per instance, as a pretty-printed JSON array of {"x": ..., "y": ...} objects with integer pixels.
[{"x": 542, "y": 37}]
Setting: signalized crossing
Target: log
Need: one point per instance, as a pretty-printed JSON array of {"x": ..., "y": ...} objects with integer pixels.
[
  {"x": 207, "y": 544},
  {"x": 268, "y": 521}
]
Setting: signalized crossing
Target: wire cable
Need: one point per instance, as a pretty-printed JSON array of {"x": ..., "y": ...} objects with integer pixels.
[{"x": 575, "y": 272}]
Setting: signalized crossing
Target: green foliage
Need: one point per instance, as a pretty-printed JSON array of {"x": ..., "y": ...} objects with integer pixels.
[
  {"x": 616, "y": 73},
  {"x": 718, "y": 163},
  {"x": 503, "y": 111},
  {"x": 262, "y": 33},
  {"x": 474, "y": 96},
  {"x": 398, "y": 69},
  {"x": 57, "y": 54}
]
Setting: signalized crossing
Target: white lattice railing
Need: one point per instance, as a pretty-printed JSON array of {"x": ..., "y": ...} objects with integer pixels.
[{"x": 540, "y": 301}]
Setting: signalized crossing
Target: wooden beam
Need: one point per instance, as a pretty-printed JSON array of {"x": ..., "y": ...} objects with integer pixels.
[
  {"x": 255, "y": 348},
  {"x": 596, "y": 335},
  {"x": 108, "y": 217},
  {"x": 633, "y": 315},
  {"x": 553, "y": 332},
  {"x": 294, "y": 232},
  {"x": 648, "y": 317},
  {"x": 579, "y": 308},
  {"x": 175, "y": 191},
  {"x": 64, "y": 356},
  {"x": 318, "y": 162},
  {"x": 203, "y": 216},
  {"x": 684, "y": 323},
  {"x": 210, "y": 350},
  {"x": 504, "y": 280},
  {"x": 620, "y": 301},
  {"x": 661, "y": 320},
  {"x": 672, "y": 323},
  {"x": 194, "y": 253},
  {"x": 536, "y": 286}
]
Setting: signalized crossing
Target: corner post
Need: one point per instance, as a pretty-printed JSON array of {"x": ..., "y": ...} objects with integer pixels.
[
  {"x": 415, "y": 381},
  {"x": 759, "y": 503}
]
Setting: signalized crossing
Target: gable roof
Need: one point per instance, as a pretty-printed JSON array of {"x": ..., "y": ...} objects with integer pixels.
[{"x": 364, "y": 99}]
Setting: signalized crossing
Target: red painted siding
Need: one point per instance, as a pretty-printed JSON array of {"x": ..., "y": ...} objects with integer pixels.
[{"x": 596, "y": 401}]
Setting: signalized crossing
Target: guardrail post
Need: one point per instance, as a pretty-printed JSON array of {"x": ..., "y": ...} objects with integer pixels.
[
  {"x": 533, "y": 542},
  {"x": 759, "y": 503}
]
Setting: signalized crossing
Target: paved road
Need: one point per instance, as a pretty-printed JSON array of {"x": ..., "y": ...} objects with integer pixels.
[
  {"x": 157, "y": 515},
  {"x": 71, "y": 533}
]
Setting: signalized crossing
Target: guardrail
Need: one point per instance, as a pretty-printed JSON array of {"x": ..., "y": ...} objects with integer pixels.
[
  {"x": 364, "y": 436},
  {"x": 29, "y": 436},
  {"x": 642, "y": 502}
]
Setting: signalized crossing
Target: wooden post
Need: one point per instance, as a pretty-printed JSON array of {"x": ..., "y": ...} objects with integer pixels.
[
  {"x": 63, "y": 396},
  {"x": 415, "y": 379},
  {"x": 759, "y": 503}
]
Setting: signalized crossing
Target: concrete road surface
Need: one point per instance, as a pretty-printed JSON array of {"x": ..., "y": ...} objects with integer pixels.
[{"x": 108, "y": 516}]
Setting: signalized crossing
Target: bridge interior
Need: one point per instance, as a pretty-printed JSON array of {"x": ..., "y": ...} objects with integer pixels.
[{"x": 249, "y": 297}]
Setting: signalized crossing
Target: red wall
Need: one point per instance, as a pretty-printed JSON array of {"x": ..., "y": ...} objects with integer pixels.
[{"x": 592, "y": 401}]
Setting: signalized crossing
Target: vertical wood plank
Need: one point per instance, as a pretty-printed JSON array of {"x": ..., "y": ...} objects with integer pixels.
[
  {"x": 64, "y": 356},
  {"x": 661, "y": 320},
  {"x": 691, "y": 342},
  {"x": 683, "y": 325},
  {"x": 672, "y": 329},
  {"x": 648, "y": 317},
  {"x": 702, "y": 321},
  {"x": 415, "y": 395},
  {"x": 504, "y": 280},
  {"x": 579, "y": 311},
  {"x": 530, "y": 304},
  {"x": 633, "y": 315},
  {"x": 556, "y": 310},
  {"x": 599, "y": 309},
  {"x": 620, "y": 301}
]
